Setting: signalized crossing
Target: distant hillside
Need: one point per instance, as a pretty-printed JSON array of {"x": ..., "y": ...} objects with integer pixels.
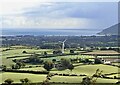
[{"x": 113, "y": 30}]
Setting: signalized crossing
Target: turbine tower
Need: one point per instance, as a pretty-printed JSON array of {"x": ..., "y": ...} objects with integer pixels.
[{"x": 63, "y": 45}]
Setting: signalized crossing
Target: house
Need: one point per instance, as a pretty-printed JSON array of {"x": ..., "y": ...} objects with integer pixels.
[{"x": 106, "y": 62}]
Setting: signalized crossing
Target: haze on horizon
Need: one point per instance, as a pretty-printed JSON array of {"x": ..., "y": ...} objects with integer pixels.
[{"x": 58, "y": 15}]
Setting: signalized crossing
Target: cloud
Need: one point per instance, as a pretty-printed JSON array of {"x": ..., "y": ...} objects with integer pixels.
[
  {"x": 43, "y": 22},
  {"x": 9, "y": 7},
  {"x": 18, "y": 6},
  {"x": 36, "y": 14}
]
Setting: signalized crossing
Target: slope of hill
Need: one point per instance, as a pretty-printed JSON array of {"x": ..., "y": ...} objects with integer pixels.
[{"x": 113, "y": 30}]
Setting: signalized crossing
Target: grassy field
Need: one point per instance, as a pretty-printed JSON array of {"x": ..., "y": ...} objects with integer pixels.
[
  {"x": 34, "y": 69},
  {"x": 79, "y": 79},
  {"x": 90, "y": 69},
  {"x": 117, "y": 75},
  {"x": 39, "y": 78},
  {"x": 17, "y": 76},
  {"x": 83, "y": 69},
  {"x": 18, "y": 52},
  {"x": 103, "y": 52},
  {"x": 116, "y": 63}
]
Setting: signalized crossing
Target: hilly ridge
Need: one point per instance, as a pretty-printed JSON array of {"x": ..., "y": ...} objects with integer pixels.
[{"x": 113, "y": 30}]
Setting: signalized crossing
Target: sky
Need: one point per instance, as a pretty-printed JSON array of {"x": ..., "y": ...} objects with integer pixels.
[{"x": 51, "y": 14}]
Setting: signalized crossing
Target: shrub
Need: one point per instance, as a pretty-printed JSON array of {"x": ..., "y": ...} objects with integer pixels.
[
  {"x": 9, "y": 81},
  {"x": 24, "y": 52}
]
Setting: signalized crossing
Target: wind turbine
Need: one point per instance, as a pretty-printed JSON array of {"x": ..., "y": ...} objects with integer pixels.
[{"x": 63, "y": 45}]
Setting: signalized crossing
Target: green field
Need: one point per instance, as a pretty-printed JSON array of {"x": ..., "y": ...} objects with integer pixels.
[
  {"x": 17, "y": 76},
  {"x": 39, "y": 78},
  {"x": 85, "y": 69},
  {"x": 82, "y": 69},
  {"x": 18, "y": 52}
]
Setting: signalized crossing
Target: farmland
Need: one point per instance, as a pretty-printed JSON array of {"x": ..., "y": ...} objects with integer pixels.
[
  {"x": 39, "y": 78},
  {"x": 16, "y": 52}
]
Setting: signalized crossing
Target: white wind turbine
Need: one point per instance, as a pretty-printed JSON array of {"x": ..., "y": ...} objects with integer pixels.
[{"x": 63, "y": 45}]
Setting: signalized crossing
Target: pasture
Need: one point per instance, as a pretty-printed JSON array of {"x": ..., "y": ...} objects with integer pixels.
[
  {"x": 80, "y": 69},
  {"x": 18, "y": 52},
  {"x": 40, "y": 77}
]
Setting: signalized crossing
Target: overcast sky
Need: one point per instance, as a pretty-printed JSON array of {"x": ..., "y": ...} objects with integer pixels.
[{"x": 49, "y": 14}]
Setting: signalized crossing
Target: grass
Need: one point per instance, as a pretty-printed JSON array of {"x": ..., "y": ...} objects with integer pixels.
[
  {"x": 66, "y": 79},
  {"x": 17, "y": 76},
  {"x": 34, "y": 69},
  {"x": 117, "y": 75},
  {"x": 103, "y": 52},
  {"x": 39, "y": 78},
  {"x": 79, "y": 79},
  {"x": 90, "y": 69},
  {"x": 116, "y": 64},
  {"x": 18, "y": 52},
  {"x": 84, "y": 69}
]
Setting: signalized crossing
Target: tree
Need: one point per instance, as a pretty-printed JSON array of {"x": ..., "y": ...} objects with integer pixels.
[
  {"x": 24, "y": 51},
  {"x": 17, "y": 65},
  {"x": 98, "y": 61},
  {"x": 4, "y": 67},
  {"x": 35, "y": 59},
  {"x": 71, "y": 51},
  {"x": 71, "y": 67},
  {"x": 45, "y": 53},
  {"x": 65, "y": 62},
  {"x": 23, "y": 64},
  {"x": 86, "y": 81},
  {"x": 22, "y": 80},
  {"x": 48, "y": 65},
  {"x": 46, "y": 82},
  {"x": 57, "y": 52},
  {"x": 53, "y": 60},
  {"x": 86, "y": 61},
  {"x": 9, "y": 81},
  {"x": 91, "y": 80},
  {"x": 26, "y": 80}
]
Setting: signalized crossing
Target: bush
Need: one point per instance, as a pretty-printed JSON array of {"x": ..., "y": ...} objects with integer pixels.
[
  {"x": 115, "y": 77},
  {"x": 71, "y": 51},
  {"x": 24, "y": 52},
  {"x": 97, "y": 61},
  {"x": 73, "y": 75},
  {"x": 48, "y": 65},
  {"x": 30, "y": 66},
  {"x": 9, "y": 81}
]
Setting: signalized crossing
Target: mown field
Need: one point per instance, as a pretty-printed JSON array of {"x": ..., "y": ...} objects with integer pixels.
[{"x": 82, "y": 69}]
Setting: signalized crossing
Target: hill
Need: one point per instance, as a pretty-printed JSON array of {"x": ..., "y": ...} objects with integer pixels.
[{"x": 113, "y": 30}]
